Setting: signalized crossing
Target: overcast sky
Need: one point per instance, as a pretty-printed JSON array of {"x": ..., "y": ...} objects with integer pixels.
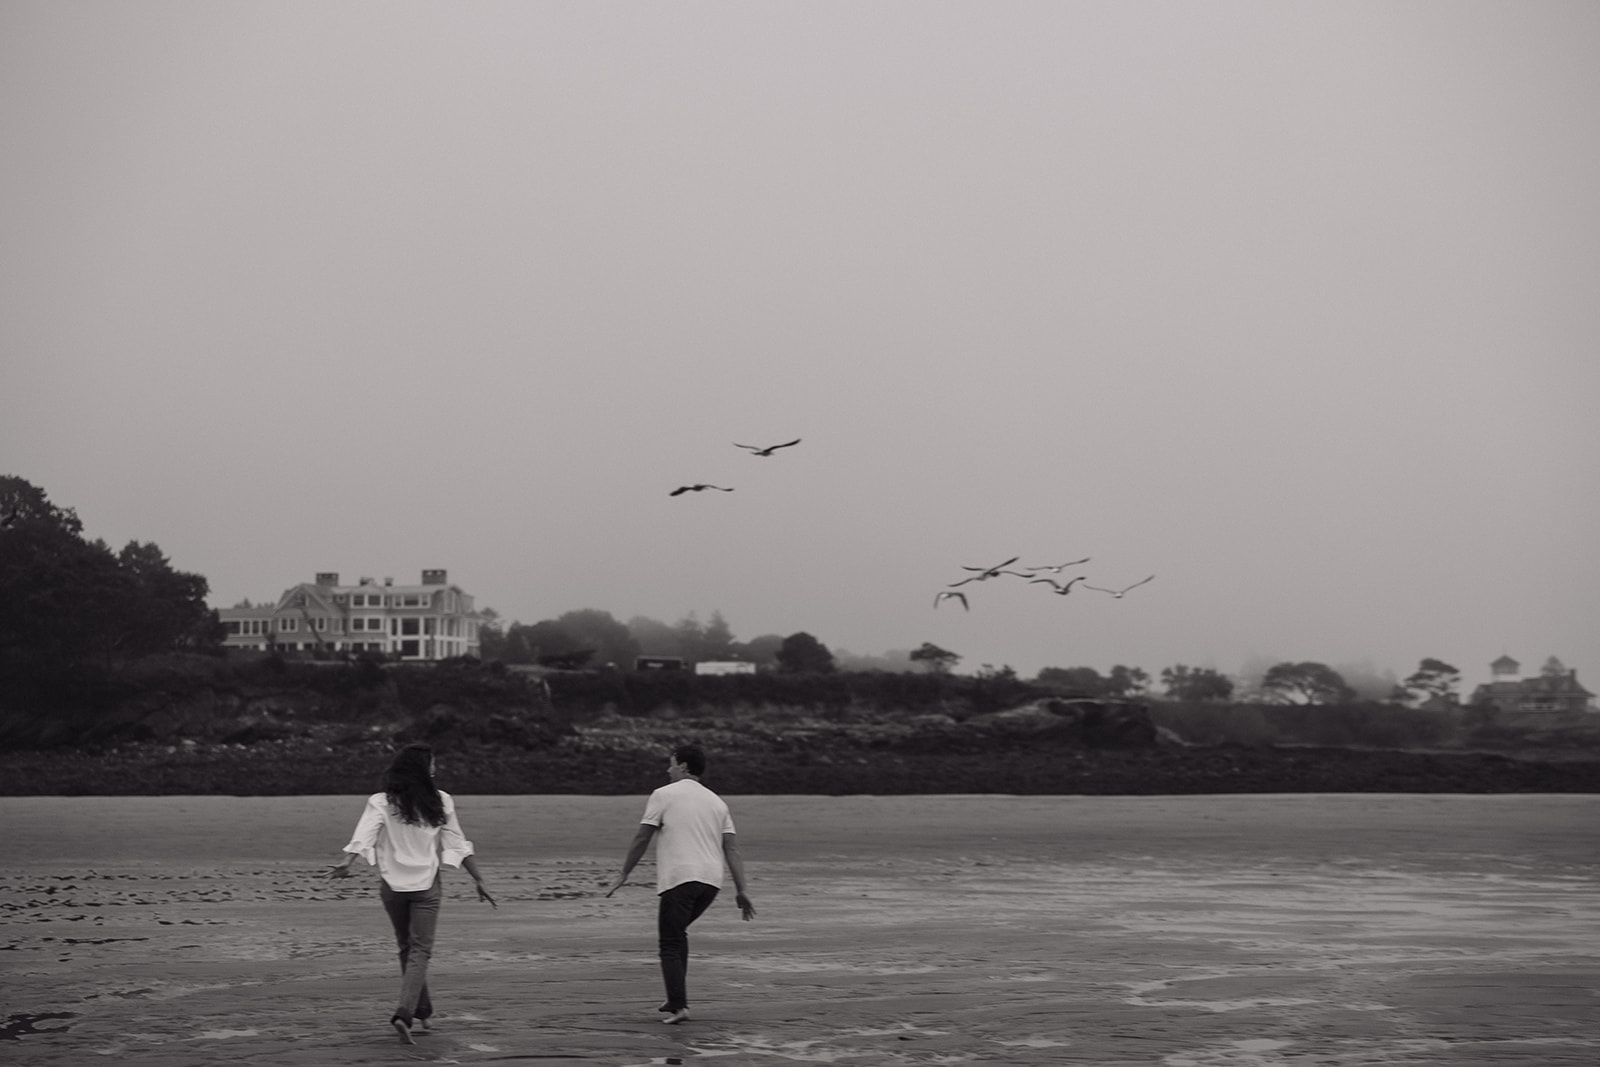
[{"x": 1295, "y": 306}]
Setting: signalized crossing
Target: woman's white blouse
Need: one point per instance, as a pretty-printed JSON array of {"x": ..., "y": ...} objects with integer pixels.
[{"x": 408, "y": 856}]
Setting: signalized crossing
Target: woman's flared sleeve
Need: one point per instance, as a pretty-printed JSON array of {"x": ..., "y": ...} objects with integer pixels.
[
  {"x": 364, "y": 841},
  {"x": 453, "y": 845}
]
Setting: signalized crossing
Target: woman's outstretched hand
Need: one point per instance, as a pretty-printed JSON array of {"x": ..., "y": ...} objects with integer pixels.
[
  {"x": 747, "y": 910},
  {"x": 337, "y": 870},
  {"x": 483, "y": 894}
]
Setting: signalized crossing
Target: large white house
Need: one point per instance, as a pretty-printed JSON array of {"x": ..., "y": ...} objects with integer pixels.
[{"x": 429, "y": 621}]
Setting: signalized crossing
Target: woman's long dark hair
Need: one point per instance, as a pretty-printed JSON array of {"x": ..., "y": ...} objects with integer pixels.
[{"x": 410, "y": 789}]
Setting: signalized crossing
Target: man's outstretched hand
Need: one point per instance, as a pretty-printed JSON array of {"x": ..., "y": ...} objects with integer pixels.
[{"x": 747, "y": 910}]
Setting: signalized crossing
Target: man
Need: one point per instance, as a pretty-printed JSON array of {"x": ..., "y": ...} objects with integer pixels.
[{"x": 696, "y": 838}]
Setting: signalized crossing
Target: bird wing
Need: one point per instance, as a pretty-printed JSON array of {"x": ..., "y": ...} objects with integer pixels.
[
  {"x": 1140, "y": 582},
  {"x": 786, "y": 444}
]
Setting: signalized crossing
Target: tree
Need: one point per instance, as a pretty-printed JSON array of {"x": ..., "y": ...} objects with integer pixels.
[
  {"x": 1125, "y": 681},
  {"x": 760, "y": 650},
  {"x": 611, "y": 641},
  {"x": 716, "y": 638},
  {"x": 491, "y": 635},
  {"x": 1433, "y": 679},
  {"x": 1553, "y": 668},
  {"x": 654, "y": 637},
  {"x": 71, "y": 609},
  {"x": 937, "y": 660},
  {"x": 803, "y": 654},
  {"x": 22, "y": 502},
  {"x": 691, "y": 637},
  {"x": 1306, "y": 683},
  {"x": 166, "y": 609},
  {"x": 1074, "y": 681},
  {"x": 1196, "y": 683}
]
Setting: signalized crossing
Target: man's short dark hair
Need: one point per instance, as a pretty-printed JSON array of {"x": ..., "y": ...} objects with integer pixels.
[{"x": 692, "y": 758}]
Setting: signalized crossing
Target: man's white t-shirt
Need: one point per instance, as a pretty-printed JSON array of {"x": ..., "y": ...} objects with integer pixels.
[{"x": 690, "y": 821}]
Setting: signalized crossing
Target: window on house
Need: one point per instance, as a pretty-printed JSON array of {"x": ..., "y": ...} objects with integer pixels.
[
  {"x": 408, "y": 627},
  {"x": 288, "y": 626}
]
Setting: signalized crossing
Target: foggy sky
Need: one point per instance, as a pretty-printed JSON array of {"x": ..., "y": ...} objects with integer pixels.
[{"x": 1293, "y": 306}]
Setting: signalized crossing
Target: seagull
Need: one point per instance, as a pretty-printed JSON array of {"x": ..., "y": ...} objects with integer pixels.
[
  {"x": 1061, "y": 590},
  {"x": 985, "y": 573},
  {"x": 1119, "y": 593},
  {"x": 1059, "y": 567},
  {"x": 953, "y": 596},
  {"x": 767, "y": 451},
  {"x": 696, "y": 488}
]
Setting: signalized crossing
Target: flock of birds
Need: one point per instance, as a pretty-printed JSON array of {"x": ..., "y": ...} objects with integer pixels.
[
  {"x": 1035, "y": 575},
  {"x": 755, "y": 450}
]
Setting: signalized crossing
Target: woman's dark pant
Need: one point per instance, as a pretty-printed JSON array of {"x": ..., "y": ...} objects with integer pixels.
[
  {"x": 679, "y": 906},
  {"x": 415, "y": 917}
]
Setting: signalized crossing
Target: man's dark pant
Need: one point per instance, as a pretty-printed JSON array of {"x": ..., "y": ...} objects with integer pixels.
[
  {"x": 414, "y": 916},
  {"x": 680, "y": 906}
]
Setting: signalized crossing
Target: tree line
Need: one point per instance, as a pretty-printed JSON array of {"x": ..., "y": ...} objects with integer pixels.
[{"x": 73, "y": 612}]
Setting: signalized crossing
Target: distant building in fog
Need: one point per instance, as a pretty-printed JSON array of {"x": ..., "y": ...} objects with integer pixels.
[
  {"x": 429, "y": 621},
  {"x": 1554, "y": 692},
  {"x": 724, "y": 667}
]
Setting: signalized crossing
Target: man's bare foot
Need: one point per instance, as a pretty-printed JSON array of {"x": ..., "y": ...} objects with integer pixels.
[
  {"x": 402, "y": 1029},
  {"x": 679, "y": 1016}
]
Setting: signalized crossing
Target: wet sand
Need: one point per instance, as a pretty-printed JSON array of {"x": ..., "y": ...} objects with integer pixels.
[{"x": 1187, "y": 932}]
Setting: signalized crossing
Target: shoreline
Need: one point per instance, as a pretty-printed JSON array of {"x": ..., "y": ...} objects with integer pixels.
[{"x": 308, "y": 769}]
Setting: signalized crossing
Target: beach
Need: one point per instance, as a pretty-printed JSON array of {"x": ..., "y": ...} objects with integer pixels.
[{"x": 1329, "y": 930}]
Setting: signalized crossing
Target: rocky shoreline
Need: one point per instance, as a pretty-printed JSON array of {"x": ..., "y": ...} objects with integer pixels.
[{"x": 312, "y": 766}]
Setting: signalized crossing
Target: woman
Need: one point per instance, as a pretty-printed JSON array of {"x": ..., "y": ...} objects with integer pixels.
[{"x": 407, "y": 830}]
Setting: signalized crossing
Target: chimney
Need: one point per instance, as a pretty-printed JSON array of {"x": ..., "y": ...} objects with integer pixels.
[
  {"x": 433, "y": 578},
  {"x": 388, "y": 581},
  {"x": 327, "y": 577}
]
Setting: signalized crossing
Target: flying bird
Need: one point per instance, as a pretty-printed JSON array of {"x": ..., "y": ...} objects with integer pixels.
[
  {"x": 1058, "y": 588},
  {"x": 985, "y": 573},
  {"x": 1119, "y": 593},
  {"x": 953, "y": 596},
  {"x": 757, "y": 450},
  {"x": 1059, "y": 567},
  {"x": 696, "y": 488}
]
